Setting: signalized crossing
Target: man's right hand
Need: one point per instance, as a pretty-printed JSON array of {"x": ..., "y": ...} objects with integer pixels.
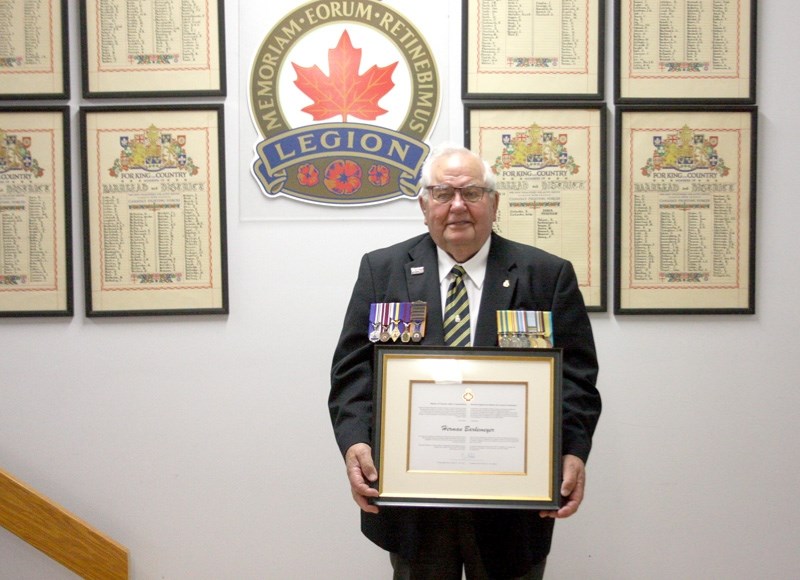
[{"x": 361, "y": 472}]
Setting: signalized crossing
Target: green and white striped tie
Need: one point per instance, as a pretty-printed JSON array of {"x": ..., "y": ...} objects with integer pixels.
[{"x": 456, "y": 311}]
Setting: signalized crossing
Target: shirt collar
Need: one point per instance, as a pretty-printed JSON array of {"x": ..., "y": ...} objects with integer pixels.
[{"x": 475, "y": 267}]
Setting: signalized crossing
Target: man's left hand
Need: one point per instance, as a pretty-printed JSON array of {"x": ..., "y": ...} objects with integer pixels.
[{"x": 572, "y": 486}]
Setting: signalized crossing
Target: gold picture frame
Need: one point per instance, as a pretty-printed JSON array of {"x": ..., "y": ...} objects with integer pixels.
[{"x": 471, "y": 427}]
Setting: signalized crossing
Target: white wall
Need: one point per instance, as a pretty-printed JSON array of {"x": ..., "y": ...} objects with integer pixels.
[{"x": 203, "y": 444}]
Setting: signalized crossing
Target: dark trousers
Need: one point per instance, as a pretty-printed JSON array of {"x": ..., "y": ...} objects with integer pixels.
[{"x": 448, "y": 546}]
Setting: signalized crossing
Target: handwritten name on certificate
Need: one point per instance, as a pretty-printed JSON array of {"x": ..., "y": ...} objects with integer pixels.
[{"x": 468, "y": 427}]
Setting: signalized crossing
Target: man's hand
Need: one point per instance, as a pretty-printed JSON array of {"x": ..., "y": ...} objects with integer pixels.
[
  {"x": 574, "y": 474},
  {"x": 361, "y": 472}
]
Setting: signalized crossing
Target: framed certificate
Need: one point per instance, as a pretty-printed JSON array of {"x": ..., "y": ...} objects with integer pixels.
[
  {"x": 36, "y": 232},
  {"x": 550, "y": 163},
  {"x": 476, "y": 427},
  {"x": 544, "y": 49},
  {"x": 34, "y": 50},
  {"x": 685, "y": 50},
  {"x": 152, "y": 48},
  {"x": 154, "y": 210},
  {"x": 686, "y": 203}
]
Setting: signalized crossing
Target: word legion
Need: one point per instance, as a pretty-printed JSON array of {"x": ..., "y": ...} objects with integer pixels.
[{"x": 342, "y": 140}]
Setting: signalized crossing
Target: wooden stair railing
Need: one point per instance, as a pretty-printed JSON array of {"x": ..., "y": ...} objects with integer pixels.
[{"x": 65, "y": 538}]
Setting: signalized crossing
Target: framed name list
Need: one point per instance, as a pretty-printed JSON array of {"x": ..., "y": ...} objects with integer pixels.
[
  {"x": 35, "y": 212},
  {"x": 152, "y": 48},
  {"x": 550, "y": 166},
  {"x": 154, "y": 210},
  {"x": 686, "y": 203},
  {"x": 34, "y": 49},
  {"x": 685, "y": 50},
  {"x": 513, "y": 49}
]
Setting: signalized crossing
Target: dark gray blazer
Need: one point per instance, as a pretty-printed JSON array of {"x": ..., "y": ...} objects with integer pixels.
[{"x": 511, "y": 540}]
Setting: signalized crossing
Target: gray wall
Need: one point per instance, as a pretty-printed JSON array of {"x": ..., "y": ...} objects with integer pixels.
[{"x": 203, "y": 444}]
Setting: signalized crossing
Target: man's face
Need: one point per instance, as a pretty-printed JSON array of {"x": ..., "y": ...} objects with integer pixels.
[{"x": 458, "y": 227}]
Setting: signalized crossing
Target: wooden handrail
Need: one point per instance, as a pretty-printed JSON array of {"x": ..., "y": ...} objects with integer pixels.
[{"x": 65, "y": 538}]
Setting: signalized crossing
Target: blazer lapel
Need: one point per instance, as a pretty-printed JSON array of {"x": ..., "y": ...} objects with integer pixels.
[
  {"x": 498, "y": 290},
  {"x": 422, "y": 280}
]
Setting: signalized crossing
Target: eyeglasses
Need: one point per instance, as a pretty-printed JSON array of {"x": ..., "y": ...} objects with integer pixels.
[{"x": 444, "y": 193}]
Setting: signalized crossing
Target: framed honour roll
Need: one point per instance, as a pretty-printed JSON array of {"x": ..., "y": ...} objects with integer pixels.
[
  {"x": 685, "y": 217},
  {"x": 154, "y": 210}
]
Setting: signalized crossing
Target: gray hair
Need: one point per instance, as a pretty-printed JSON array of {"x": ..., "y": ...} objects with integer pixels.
[{"x": 446, "y": 150}]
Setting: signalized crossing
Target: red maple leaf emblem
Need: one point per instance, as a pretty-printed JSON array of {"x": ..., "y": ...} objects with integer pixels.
[{"x": 345, "y": 92}]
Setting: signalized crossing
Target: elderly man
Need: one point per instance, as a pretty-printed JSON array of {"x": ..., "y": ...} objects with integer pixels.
[{"x": 459, "y": 205}]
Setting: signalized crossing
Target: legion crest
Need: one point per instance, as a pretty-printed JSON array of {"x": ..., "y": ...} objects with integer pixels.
[{"x": 343, "y": 95}]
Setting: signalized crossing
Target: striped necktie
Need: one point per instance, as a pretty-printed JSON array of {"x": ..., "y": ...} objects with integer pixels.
[{"x": 456, "y": 311}]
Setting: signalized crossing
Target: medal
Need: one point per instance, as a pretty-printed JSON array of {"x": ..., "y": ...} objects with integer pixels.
[
  {"x": 385, "y": 323},
  {"x": 373, "y": 330},
  {"x": 539, "y": 328},
  {"x": 419, "y": 312},
  {"x": 501, "y": 328},
  {"x": 513, "y": 328},
  {"x": 405, "y": 320},
  {"x": 521, "y": 329},
  {"x": 395, "y": 326}
]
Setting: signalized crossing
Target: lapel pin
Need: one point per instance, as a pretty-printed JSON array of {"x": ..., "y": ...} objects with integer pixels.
[
  {"x": 506, "y": 284},
  {"x": 416, "y": 270}
]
